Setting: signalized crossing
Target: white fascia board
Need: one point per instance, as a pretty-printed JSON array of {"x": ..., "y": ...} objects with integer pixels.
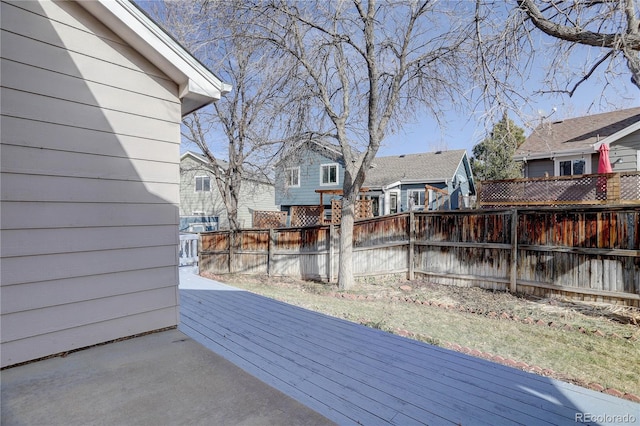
[
  {"x": 194, "y": 156},
  {"x": 543, "y": 155},
  {"x": 391, "y": 185},
  {"x": 616, "y": 136},
  {"x": 413, "y": 181},
  {"x": 196, "y": 84}
]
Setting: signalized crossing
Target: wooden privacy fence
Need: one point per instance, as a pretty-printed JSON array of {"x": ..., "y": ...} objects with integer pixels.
[{"x": 590, "y": 253}]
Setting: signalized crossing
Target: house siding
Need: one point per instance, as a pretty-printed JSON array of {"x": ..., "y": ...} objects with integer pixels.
[
  {"x": 538, "y": 168},
  {"x": 90, "y": 184},
  {"x": 309, "y": 163},
  {"x": 626, "y": 148},
  {"x": 462, "y": 186},
  {"x": 254, "y": 195}
]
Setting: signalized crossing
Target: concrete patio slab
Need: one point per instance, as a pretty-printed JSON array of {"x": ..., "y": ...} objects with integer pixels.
[{"x": 164, "y": 378}]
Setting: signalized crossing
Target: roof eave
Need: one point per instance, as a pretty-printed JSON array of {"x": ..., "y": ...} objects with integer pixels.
[
  {"x": 617, "y": 136},
  {"x": 197, "y": 86},
  {"x": 549, "y": 154}
]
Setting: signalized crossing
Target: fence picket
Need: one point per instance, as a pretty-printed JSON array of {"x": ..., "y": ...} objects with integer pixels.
[{"x": 589, "y": 252}]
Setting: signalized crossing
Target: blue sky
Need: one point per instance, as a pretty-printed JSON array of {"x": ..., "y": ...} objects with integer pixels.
[{"x": 465, "y": 130}]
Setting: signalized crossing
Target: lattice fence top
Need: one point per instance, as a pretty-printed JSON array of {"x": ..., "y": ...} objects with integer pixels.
[
  {"x": 364, "y": 209},
  {"x": 630, "y": 186},
  {"x": 609, "y": 188},
  {"x": 269, "y": 219},
  {"x": 307, "y": 215}
]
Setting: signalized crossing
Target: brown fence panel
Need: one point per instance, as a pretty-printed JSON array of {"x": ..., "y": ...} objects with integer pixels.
[
  {"x": 213, "y": 253},
  {"x": 301, "y": 252},
  {"x": 469, "y": 248},
  {"x": 588, "y": 253},
  {"x": 464, "y": 226},
  {"x": 252, "y": 252},
  {"x": 382, "y": 230}
]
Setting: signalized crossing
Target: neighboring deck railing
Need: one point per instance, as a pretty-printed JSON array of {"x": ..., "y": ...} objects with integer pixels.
[
  {"x": 595, "y": 189},
  {"x": 188, "y": 249}
]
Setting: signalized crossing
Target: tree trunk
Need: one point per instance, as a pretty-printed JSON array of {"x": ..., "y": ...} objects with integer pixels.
[{"x": 345, "y": 268}]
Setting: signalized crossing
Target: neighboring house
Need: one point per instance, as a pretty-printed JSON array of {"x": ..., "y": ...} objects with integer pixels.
[
  {"x": 398, "y": 182},
  {"x": 570, "y": 147},
  {"x": 201, "y": 198},
  {"x": 309, "y": 167},
  {"x": 391, "y": 182},
  {"x": 93, "y": 94}
]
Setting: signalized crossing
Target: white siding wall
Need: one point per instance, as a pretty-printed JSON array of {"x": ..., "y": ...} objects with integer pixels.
[
  {"x": 191, "y": 201},
  {"x": 253, "y": 196},
  {"x": 90, "y": 184}
]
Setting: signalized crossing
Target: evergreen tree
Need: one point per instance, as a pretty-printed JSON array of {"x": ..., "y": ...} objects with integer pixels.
[{"x": 493, "y": 157}]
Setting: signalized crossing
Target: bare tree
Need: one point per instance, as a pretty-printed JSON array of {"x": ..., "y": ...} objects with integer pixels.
[
  {"x": 368, "y": 68},
  {"x": 611, "y": 26},
  {"x": 236, "y": 134}
]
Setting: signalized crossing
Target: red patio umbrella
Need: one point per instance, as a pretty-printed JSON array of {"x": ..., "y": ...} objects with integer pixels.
[{"x": 604, "y": 166}]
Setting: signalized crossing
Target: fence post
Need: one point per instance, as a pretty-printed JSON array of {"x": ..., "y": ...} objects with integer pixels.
[
  {"x": 331, "y": 251},
  {"x": 272, "y": 236},
  {"x": 613, "y": 188},
  {"x": 232, "y": 245},
  {"x": 513, "y": 286},
  {"x": 412, "y": 238}
]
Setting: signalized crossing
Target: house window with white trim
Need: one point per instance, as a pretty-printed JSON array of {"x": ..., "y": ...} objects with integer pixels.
[
  {"x": 329, "y": 174},
  {"x": 567, "y": 166},
  {"x": 292, "y": 177},
  {"x": 415, "y": 199},
  {"x": 203, "y": 184}
]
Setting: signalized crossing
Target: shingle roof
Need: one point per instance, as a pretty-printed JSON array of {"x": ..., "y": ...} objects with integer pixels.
[
  {"x": 248, "y": 174},
  {"x": 576, "y": 133},
  {"x": 429, "y": 166}
]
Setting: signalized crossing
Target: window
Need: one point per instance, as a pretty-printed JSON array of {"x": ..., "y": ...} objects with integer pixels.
[
  {"x": 293, "y": 177},
  {"x": 393, "y": 203},
  {"x": 415, "y": 198},
  {"x": 203, "y": 184},
  {"x": 572, "y": 166},
  {"x": 329, "y": 174}
]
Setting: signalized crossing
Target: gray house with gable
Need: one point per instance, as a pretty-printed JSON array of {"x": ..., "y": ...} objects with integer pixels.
[{"x": 570, "y": 146}]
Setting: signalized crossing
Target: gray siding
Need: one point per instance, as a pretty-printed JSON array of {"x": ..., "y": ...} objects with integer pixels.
[
  {"x": 538, "y": 168},
  {"x": 309, "y": 162},
  {"x": 253, "y": 196},
  {"x": 595, "y": 160},
  {"x": 626, "y": 148},
  {"x": 90, "y": 191}
]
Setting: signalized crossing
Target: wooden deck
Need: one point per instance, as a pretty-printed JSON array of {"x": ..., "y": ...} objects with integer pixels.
[{"x": 357, "y": 375}]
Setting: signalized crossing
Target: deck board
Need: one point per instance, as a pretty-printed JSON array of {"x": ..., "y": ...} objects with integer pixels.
[{"x": 354, "y": 374}]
